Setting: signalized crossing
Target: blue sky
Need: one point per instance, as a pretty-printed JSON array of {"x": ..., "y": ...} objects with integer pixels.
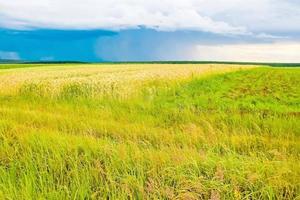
[{"x": 142, "y": 30}]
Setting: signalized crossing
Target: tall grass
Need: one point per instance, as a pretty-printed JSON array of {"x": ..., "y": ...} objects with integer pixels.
[{"x": 201, "y": 135}]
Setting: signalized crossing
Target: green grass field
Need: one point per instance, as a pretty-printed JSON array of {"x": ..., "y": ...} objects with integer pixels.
[{"x": 149, "y": 131}]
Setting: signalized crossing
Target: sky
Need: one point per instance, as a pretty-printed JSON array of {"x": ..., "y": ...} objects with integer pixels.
[{"x": 156, "y": 30}]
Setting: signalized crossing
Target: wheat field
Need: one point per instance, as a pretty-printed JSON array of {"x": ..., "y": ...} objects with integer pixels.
[{"x": 149, "y": 131}]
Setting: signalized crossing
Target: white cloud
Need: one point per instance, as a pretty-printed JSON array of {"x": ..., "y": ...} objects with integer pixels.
[
  {"x": 217, "y": 16},
  {"x": 9, "y": 55},
  {"x": 47, "y": 58},
  {"x": 256, "y": 15},
  {"x": 273, "y": 52}
]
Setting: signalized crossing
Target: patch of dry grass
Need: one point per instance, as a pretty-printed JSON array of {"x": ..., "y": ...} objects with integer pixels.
[{"x": 100, "y": 79}]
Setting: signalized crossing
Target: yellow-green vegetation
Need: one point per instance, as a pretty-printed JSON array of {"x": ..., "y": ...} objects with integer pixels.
[{"x": 149, "y": 132}]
